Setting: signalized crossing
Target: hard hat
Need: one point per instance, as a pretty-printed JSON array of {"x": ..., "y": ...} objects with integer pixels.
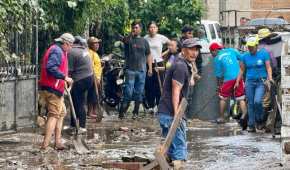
[
  {"x": 252, "y": 41},
  {"x": 263, "y": 33}
]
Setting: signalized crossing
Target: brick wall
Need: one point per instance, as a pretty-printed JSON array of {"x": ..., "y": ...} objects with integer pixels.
[{"x": 268, "y": 4}]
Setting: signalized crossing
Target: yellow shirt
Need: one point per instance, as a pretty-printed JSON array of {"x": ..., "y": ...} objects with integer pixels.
[{"x": 97, "y": 66}]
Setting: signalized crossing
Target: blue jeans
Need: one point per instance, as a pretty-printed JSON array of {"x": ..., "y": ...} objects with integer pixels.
[
  {"x": 134, "y": 85},
  {"x": 255, "y": 91},
  {"x": 178, "y": 147}
]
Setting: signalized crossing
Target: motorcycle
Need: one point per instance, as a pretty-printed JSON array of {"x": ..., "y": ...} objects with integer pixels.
[{"x": 113, "y": 79}]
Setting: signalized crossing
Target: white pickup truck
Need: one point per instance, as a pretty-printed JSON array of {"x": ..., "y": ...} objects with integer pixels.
[{"x": 211, "y": 32}]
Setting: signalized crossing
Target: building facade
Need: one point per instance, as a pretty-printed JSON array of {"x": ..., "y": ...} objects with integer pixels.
[{"x": 214, "y": 7}]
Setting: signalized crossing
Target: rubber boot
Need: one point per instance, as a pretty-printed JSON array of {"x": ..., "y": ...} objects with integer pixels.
[
  {"x": 123, "y": 108},
  {"x": 136, "y": 110}
]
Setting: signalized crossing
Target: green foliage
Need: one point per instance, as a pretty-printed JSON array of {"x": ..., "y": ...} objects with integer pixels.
[
  {"x": 15, "y": 16},
  {"x": 171, "y": 15},
  {"x": 107, "y": 17}
]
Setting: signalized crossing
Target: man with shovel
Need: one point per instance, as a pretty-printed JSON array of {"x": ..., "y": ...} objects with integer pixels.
[
  {"x": 53, "y": 76},
  {"x": 93, "y": 98},
  {"x": 175, "y": 87}
]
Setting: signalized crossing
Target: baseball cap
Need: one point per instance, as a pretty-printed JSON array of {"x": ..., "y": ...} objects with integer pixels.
[
  {"x": 215, "y": 46},
  {"x": 263, "y": 33},
  {"x": 191, "y": 42},
  {"x": 81, "y": 41},
  {"x": 252, "y": 41},
  {"x": 66, "y": 37},
  {"x": 92, "y": 40}
]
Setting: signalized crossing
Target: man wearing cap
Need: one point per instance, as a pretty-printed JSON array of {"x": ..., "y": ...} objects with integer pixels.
[
  {"x": 53, "y": 76},
  {"x": 187, "y": 32},
  {"x": 175, "y": 88},
  {"x": 257, "y": 64},
  {"x": 226, "y": 69},
  {"x": 93, "y": 44},
  {"x": 137, "y": 54}
]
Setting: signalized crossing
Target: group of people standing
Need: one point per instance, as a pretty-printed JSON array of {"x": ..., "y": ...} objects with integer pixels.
[
  {"x": 244, "y": 76},
  {"x": 145, "y": 64},
  {"x": 74, "y": 62},
  {"x": 163, "y": 76},
  {"x": 166, "y": 77},
  {"x": 69, "y": 62}
]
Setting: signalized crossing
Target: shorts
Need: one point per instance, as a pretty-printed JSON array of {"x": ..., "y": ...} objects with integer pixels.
[
  {"x": 227, "y": 90},
  {"x": 53, "y": 103}
]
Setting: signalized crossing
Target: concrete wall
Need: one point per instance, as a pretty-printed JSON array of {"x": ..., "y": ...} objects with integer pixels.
[
  {"x": 203, "y": 101},
  {"x": 213, "y": 8},
  {"x": 17, "y": 110}
]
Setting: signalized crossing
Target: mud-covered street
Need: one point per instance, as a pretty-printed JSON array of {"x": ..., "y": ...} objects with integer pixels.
[{"x": 211, "y": 146}]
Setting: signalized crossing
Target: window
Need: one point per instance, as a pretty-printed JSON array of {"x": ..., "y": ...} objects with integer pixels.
[
  {"x": 201, "y": 33},
  {"x": 211, "y": 30}
]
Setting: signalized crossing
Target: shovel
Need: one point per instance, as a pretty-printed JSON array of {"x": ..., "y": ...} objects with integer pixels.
[
  {"x": 78, "y": 142},
  {"x": 100, "y": 110}
]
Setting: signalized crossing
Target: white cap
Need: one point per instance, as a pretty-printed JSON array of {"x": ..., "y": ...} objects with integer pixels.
[{"x": 66, "y": 37}]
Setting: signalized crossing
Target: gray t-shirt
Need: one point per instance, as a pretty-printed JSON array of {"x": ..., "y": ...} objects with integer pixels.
[
  {"x": 181, "y": 72},
  {"x": 156, "y": 44},
  {"x": 136, "y": 53},
  {"x": 80, "y": 64}
]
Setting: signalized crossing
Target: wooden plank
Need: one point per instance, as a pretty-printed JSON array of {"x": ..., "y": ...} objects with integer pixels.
[
  {"x": 123, "y": 165},
  {"x": 175, "y": 124},
  {"x": 150, "y": 166},
  {"x": 162, "y": 161},
  {"x": 162, "y": 150}
]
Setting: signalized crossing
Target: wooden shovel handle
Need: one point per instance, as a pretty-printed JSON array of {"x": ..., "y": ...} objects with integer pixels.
[{"x": 175, "y": 124}]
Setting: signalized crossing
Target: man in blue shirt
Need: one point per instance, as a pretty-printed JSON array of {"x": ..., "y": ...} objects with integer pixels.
[{"x": 226, "y": 69}]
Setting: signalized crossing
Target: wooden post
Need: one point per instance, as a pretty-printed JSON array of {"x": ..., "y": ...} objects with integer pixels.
[{"x": 285, "y": 86}]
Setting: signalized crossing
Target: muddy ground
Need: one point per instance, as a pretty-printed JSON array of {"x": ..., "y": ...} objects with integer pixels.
[{"x": 211, "y": 146}]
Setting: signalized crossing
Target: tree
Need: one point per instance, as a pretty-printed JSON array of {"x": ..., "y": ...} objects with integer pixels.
[
  {"x": 16, "y": 16},
  {"x": 102, "y": 18},
  {"x": 171, "y": 15}
]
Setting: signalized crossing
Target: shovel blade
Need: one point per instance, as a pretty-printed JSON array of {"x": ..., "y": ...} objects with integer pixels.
[{"x": 79, "y": 145}]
